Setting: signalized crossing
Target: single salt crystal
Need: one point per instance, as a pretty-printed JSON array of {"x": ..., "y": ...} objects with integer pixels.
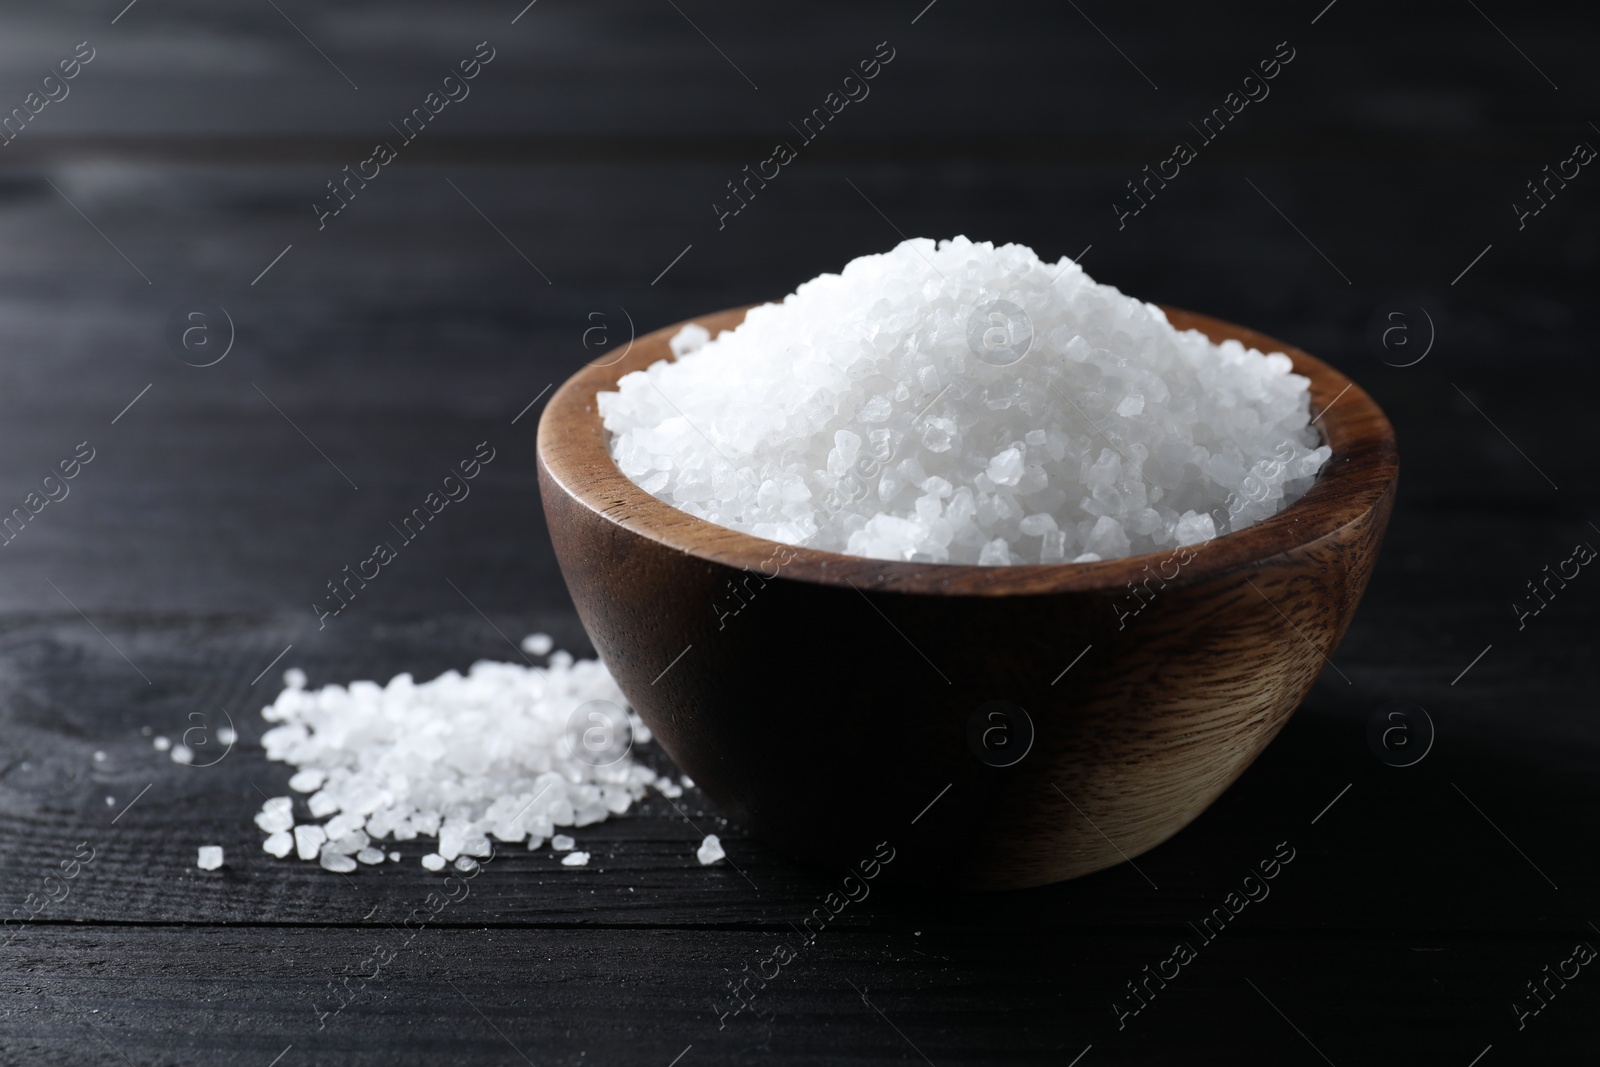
[
  {"x": 370, "y": 856},
  {"x": 687, "y": 782},
  {"x": 995, "y": 553},
  {"x": 335, "y": 861},
  {"x": 308, "y": 781},
  {"x": 562, "y": 843},
  {"x": 294, "y": 678},
  {"x": 210, "y": 857},
  {"x": 279, "y": 843},
  {"x": 1053, "y": 546},
  {"x": 227, "y": 735},
  {"x": 1005, "y": 468},
  {"x": 344, "y": 823},
  {"x": 575, "y": 859},
  {"x": 433, "y": 861},
  {"x": 308, "y": 840},
  {"x": 111, "y": 802},
  {"x": 710, "y": 850},
  {"x": 1193, "y": 528},
  {"x": 162, "y": 744},
  {"x": 182, "y": 754},
  {"x": 394, "y": 857},
  {"x": 1037, "y": 525},
  {"x": 350, "y": 843},
  {"x": 451, "y": 837},
  {"x": 814, "y": 421},
  {"x": 538, "y": 644},
  {"x": 275, "y": 815},
  {"x": 466, "y": 864},
  {"x": 688, "y": 339}
]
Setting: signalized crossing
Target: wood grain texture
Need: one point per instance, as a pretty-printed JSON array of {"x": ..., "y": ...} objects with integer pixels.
[{"x": 1162, "y": 714}]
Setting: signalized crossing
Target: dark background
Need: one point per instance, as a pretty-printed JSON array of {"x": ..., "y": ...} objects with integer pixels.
[{"x": 188, "y": 155}]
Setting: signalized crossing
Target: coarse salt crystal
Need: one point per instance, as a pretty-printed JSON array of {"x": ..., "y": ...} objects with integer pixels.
[
  {"x": 210, "y": 857},
  {"x": 275, "y": 815},
  {"x": 562, "y": 843},
  {"x": 279, "y": 844},
  {"x": 308, "y": 781},
  {"x": 308, "y": 840},
  {"x": 575, "y": 859},
  {"x": 710, "y": 850},
  {"x": 336, "y": 862},
  {"x": 433, "y": 861},
  {"x": 537, "y": 644}
]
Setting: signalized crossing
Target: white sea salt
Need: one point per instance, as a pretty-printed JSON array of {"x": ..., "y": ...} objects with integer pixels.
[
  {"x": 162, "y": 744},
  {"x": 575, "y": 859},
  {"x": 562, "y": 843},
  {"x": 279, "y": 844},
  {"x": 370, "y": 856},
  {"x": 464, "y": 759},
  {"x": 210, "y": 857},
  {"x": 227, "y": 735},
  {"x": 275, "y": 815},
  {"x": 308, "y": 841},
  {"x": 182, "y": 753},
  {"x": 335, "y": 861},
  {"x": 710, "y": 850},
  {"x": 965, "y": 403},
  {"x": 538, "y": 644}
]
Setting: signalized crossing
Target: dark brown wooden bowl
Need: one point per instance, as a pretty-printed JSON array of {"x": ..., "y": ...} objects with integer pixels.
[{"x": 847, "y": 702}]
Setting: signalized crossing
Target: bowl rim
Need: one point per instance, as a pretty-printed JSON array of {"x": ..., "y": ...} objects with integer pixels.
[{"x": 572, "y": 453}]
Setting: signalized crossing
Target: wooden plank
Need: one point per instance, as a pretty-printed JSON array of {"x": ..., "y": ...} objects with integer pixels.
[{"x": 95, "y": 995}]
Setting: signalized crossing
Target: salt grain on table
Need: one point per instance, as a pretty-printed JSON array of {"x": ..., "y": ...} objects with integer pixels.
[
  {"x": 462, "y": 758},
  {"x": 710, "y": 850}
]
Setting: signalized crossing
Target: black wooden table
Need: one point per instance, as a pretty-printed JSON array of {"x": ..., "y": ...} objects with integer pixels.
[{"x": 1372, "y": 207}]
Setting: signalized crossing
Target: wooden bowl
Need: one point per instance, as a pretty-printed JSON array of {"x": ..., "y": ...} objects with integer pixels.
[{"x": 848, "y": 706}]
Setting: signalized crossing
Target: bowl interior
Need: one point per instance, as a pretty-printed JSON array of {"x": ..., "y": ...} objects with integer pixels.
[{"x": 573, "y": 449}]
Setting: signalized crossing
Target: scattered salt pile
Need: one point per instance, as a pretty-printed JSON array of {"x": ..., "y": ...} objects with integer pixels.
[
  {"x": 506, "y": 751},
  {"x": 965, "y": 403}
]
